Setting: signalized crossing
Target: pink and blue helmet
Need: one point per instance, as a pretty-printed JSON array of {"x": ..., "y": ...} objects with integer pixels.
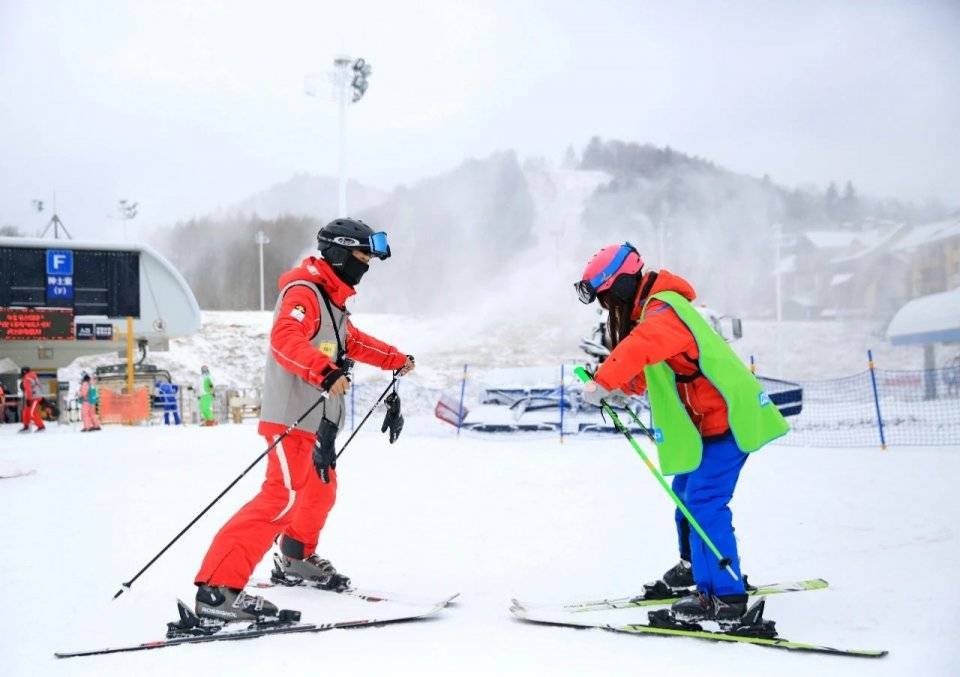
[{"x": 605, "y": 267}]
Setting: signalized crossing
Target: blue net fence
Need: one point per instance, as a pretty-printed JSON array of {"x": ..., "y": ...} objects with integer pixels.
[{"x": 916, "y": 408}]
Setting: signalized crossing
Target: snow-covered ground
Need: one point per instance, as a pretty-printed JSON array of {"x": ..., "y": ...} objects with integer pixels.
[{"x": 489, "y": 517}]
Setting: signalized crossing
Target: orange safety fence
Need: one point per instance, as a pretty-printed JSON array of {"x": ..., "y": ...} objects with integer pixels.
[{"x": 123, "y": 408}]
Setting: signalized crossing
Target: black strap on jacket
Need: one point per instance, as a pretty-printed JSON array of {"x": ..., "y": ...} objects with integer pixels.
[
  {"x": 689, "y": 378},
  {"x": 336, "y": 331},
  {"x": 680, "y": 378},
  {"x": 647, "y": 286}
]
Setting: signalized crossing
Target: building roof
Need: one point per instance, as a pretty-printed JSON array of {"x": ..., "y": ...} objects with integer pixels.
[
  {"x": 840, "y": 278},
  {"x": 841, "y": 239},
  {"x": 929, "y": 233},
  {"x": 927, "y": 319}
]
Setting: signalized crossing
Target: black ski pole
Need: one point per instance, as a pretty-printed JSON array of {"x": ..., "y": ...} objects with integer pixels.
[
  {"x": 126, "y": 586},
  {"x": 396, "y": 375}
]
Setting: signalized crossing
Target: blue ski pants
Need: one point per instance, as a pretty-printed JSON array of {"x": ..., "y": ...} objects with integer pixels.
[{"x": 707, "y": 492}]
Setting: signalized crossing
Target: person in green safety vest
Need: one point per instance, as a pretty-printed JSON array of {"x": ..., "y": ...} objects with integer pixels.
[
  {"x": 206, "y": 398},
  {"x": 709, "y": 413}
]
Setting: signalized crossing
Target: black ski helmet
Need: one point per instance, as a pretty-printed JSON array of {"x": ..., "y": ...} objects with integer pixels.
[{"x": 338, "y": 239}]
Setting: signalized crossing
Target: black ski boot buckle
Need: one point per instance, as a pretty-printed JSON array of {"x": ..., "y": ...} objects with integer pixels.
[
  {"x": 281, "y": 577},
  {"x": 656, "y": 590},
  {"x": 191, "y": 625},
  {"x": 664, "y": 618},
  {"x": 753, "y": 624},
  {"x": 284, "y": 617}
]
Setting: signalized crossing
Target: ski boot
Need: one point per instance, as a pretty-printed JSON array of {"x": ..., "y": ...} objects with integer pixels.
[
  {"x": 676, "y": 581},
  {"x": 314, "y": 570},
  {"x": 217, "y": 606},
  {"x": 679, "y": 575},
  {"x": 702, "y": 607},
  {"x": 229, "y": 604},
  {"x": 728, "y": 611}
]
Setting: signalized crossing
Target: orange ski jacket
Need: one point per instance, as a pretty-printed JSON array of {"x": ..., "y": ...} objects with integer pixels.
[{"x": 662, "y": 336}]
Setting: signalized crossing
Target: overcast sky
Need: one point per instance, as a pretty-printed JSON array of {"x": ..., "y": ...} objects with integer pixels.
[{"x": 185, "y": 106}]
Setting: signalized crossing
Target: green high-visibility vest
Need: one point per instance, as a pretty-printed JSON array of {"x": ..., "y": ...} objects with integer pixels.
[{"x": 754, "y": 419}]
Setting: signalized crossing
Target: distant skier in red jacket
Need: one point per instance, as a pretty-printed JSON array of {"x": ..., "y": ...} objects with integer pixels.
[
  {"x": 310, "y": 338},
  {"x": 31, "y": 400}
]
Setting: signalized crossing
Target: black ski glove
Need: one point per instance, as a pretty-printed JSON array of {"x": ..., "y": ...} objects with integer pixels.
[
  {"x": 331, "y": 378},
  {"x": 325, "y": 450},
  {"x": 394, "y": 419}
]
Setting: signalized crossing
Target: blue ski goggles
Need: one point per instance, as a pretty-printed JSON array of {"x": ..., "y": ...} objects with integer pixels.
[
  {"x": 587, "y": 289},
  {"x": 379, "y": 245},
  {"x": 375, "y": 245}
]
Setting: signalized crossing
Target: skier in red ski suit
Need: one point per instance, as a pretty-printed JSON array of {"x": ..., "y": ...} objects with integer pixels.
[
  {"x": 31, "y": 400},
  {"x": 308, "y": 342}
]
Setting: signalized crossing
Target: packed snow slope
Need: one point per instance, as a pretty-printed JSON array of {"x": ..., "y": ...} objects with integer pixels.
[{"x": 492, "y": 518}]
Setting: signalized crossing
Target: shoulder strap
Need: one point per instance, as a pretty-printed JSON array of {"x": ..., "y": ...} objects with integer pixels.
[
  {"x": 336, "y": 330},
  {"x": 322, "y": 295},
  {"x": 689, "y": 378}
]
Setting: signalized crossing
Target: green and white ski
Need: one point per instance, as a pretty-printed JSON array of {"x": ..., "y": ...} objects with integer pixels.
[
  {"x": 636, "y": 601},
  {"x": 577, "y": 621},
  {"x": 776, "y": 643}
]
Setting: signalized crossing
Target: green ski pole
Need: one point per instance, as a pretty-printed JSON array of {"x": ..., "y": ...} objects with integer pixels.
[{"x": 725, "y": 562}]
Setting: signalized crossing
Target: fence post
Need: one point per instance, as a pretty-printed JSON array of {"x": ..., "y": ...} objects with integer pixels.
[
  {"x": 753, "y": 366},
  {"x": 561, "y": 402},
  {"x": 463, "y": 388},
  {"x": 876, "y": 399}
]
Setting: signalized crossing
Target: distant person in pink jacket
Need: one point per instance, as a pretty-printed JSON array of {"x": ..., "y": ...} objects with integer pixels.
[{"x": 89, "y": 398}]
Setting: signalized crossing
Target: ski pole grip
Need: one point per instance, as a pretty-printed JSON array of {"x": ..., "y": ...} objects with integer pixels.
[{"x": 582, "y": 374}]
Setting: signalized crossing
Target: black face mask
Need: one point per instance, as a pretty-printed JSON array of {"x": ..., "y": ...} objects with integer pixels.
[{"x": 346, "y": 266}]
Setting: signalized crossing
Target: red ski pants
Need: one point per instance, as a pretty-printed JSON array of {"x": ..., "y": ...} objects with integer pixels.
[
  {"x": 292, "y": 501},
  {"x": 31, "y": 414}
]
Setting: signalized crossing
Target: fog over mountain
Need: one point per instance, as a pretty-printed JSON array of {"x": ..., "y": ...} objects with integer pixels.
[
  {"x": 305, "y": 195},
  {"x": 496, "y": 232}
]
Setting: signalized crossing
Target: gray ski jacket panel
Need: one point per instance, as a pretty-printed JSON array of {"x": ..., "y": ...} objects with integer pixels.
[{"x": 285, "y": 395}]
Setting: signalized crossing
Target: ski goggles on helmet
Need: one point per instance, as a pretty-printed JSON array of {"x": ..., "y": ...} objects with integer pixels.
[
  {"x": 375, "y": 245},
  {"x": 588, "y": 289}
]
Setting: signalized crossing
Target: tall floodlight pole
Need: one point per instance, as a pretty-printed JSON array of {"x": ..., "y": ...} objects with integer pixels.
[
  {"x": 348, "y": 76},
  {"x": 261, "y": 239},
  {"x": 341, "y": 74}
]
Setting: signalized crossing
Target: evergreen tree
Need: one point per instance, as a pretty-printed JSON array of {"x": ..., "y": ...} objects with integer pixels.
[{"x": 831, "y": 200}]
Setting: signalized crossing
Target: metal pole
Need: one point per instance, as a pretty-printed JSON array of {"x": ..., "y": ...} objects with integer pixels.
[
  {"x": 129, "y": 355},
  {"x": 876, "y": 400},
  {"x": 260, "y": 242},
  {"x": 463, "y": 388},
  {"x": 126, "y": 586},
  {"x": 561, "y": 402},
  {"x": 725, "y": 562},
  {"x": 396, "y": 375},
  {"x": 261, "y": 239},
  {"x": 342, "y": 66}
]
